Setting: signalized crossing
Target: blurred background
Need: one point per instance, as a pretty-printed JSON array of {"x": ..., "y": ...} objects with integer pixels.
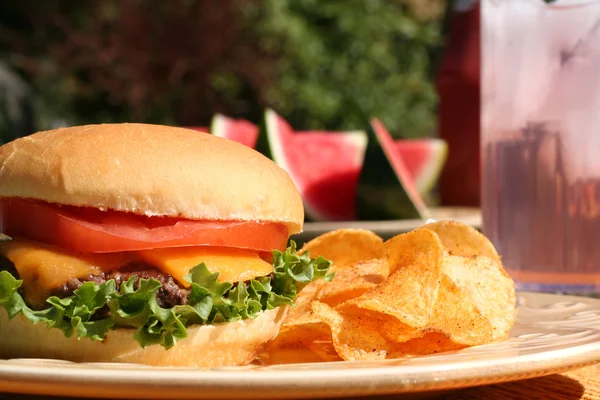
[{"x": 327, "y": 65}]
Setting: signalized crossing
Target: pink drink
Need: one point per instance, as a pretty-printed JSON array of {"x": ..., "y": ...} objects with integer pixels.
[
  {"x": 540, "y": 128},
  {"x": 546, "y": 229}
]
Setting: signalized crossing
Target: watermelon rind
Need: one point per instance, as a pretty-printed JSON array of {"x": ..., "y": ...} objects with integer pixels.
[
  {"x": 270, "y": 144},
  {"x": 273, "y": 148},
  {"x": 218, "y": 125},
  {"x": 382, "y": 194},
  {"x": 238, "y": 130},
  {"x": 427, "y": 179}
]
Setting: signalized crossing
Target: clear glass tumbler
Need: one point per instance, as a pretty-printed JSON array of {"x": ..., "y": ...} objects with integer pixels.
[{"x": 540, "y": 127}]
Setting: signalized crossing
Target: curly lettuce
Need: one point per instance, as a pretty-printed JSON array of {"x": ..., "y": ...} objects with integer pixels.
[{"x": 85, "y": 313}]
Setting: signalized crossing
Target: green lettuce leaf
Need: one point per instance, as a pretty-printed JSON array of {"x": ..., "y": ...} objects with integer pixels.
[
  {"x": 71, "y": 314},
  {"x": 94, "y": 308}
]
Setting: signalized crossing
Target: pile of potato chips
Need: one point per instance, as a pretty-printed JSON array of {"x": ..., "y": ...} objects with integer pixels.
[{"x": 438, "y": 288}]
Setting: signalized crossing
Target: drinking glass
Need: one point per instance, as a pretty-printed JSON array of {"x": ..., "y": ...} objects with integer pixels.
[{"x": 540, "y": 138}]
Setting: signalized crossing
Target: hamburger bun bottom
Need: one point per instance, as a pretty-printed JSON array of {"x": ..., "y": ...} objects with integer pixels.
[{"x": 224, "y": 344}]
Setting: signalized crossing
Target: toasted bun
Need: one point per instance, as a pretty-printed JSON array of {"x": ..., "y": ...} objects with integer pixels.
[
  {"x": 150, "y": 170},
  {"x": 226, "y": 344}
]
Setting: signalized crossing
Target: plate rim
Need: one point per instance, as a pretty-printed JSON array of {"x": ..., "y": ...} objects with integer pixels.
[
  {"x": 468, "y": 215},
  {"x": 393, "y": 376}
]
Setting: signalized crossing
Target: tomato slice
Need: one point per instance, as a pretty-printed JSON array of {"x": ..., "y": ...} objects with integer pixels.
[{"x": 95, "y": 231}]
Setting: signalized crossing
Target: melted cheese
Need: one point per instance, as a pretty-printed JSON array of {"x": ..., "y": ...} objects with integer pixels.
[
  {"x": 233, "y": 265},
  {"x": 45, "y": 268}
]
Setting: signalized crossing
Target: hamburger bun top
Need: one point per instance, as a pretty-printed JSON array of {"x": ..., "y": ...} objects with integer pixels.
[{"x": 151, "y": 170}]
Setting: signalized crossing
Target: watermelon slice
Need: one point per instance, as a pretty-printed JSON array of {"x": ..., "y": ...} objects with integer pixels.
[
  {"x": 386, "y": 189},
  {"x": 325, "y": 166},
  {"x": 198, "y": 128},
  {"x": 424, "y": 159},
  {"x": 239, "y": 130}
]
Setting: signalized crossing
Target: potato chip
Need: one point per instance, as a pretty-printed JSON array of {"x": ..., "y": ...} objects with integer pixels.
[
  {"x": 355, "y": 336},
  {"x": 307, "y": 339},
  {"x": 352, "y": 281},
  {"x": 420, "y": 246},
  {"x": 430, "y": 343},
  {"x": 360, "y": 335},
  {"x": 307, "y": 351},
  {"x": 397, "y": 332},
  {"x": 300, "y": 335},
  {"x": 410, "y": 292},
  {"x": 301, "y": 312},
  {"x": 456, "y": 316},
  {"x": 490, "y": 291},
  {"x": 406, "y": 295},
  {"x": 293, "y": 355},
  {"x": 390, "y": 327},
  {"x": 303, "y": 336},
  {"x": 463, "y": 240},
  {"x": 325, "y": 350},
  {"x": 438, "y": 288},
  {"x": 346, "y": 246}
]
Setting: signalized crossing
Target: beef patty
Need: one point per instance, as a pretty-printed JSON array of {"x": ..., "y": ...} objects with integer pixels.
[
  {"x": 170, "y": 294},
  {"x": 9, "y": 266}
]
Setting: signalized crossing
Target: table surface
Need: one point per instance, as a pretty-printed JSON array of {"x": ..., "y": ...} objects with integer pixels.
[{"x": 582, "y": 383}]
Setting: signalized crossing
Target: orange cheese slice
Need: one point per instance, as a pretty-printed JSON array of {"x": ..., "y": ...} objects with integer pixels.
[
  {"x": 233, "y": 265},
  {"x": 44, "y": 268}
]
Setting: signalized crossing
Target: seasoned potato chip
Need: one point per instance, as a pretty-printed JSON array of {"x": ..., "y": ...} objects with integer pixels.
[
  {"x": 300, "y": 334},
  {"x": 420, "y": 246},
  {"x": 488, "y": 289},
  {"x": 409, "y": 293},
  {"x": 463, "y": 240},
  {"x": 304, "y": 352},
  {"x": 352, "y": 281},
  {"x": 346, "y": 246},
  {"x": 325, "y": 350},
  {"x": 360, "y": 335},
  {"x": 301, "y": 342},
  {"x": 306, "y": 338},
  {"x": 430, "y": 343},
  {"x": 300, "y": 329},
  {"x": 301, "y": 312},
  {"x": 438, "y": 288},
  {"x": 355, "y": 336},
  {"x": 457, "y": 317},
  {"x": 285, "y": 355},
  {"x": 395, "y": 331}
]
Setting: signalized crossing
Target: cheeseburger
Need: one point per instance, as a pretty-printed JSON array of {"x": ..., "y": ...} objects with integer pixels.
[{"x": 145, "y": 244}]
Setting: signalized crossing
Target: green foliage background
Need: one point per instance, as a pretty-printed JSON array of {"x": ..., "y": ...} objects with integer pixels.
[{"x": 322, "y": 64}]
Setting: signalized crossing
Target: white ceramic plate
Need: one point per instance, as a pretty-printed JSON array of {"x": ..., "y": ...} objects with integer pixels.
[
  {"x": 387, "y": 229},
  {"x": 553, "y": 333}
]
